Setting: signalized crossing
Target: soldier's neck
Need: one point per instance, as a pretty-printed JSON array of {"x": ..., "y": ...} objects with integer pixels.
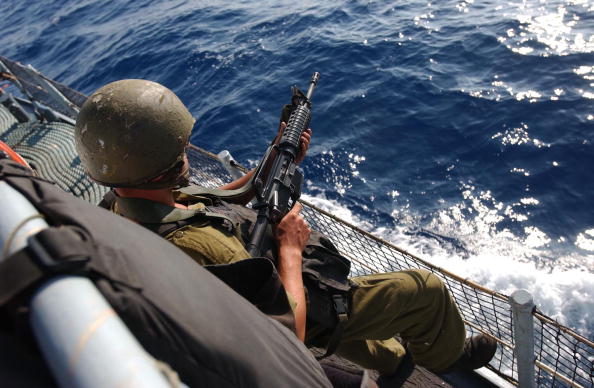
[{"x": 164, "y": 196}]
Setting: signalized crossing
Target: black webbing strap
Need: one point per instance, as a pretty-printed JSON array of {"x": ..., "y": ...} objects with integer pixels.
[
  {"x": 108, "y": 200},
  {"x": 51, "y": 252},
  {"x": 9, "y": 168},
  {"x": 342, "y": 308},
  {"x": 232, "y": 196}
]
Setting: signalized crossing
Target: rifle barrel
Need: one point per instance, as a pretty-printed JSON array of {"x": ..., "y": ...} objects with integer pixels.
[{"x": 314, "y": 81}]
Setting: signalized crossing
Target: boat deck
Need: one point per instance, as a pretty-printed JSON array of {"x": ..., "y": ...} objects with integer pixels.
[{"x": 420, "y": 377}]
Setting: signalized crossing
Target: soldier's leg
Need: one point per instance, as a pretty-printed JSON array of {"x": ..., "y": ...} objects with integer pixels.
[
  {"x": 381, "y": 355},
  {"x": 413, "y": 304}
]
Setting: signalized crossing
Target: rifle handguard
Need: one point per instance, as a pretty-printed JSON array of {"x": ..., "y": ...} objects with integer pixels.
[{"x": 299, "y": 119}]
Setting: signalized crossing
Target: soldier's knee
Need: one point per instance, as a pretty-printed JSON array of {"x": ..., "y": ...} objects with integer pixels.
[{"x": 432, "y": 285}]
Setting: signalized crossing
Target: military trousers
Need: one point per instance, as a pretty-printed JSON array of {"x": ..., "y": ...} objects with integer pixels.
[{"x": 414, "y": 305}]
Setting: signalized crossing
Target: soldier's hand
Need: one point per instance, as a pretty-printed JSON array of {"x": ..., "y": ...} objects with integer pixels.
[
  {"x": 303, "y": 145},
  {"x": 292, "y": 231}
]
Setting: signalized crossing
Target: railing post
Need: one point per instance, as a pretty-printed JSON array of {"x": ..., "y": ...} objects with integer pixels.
[
  {"x": 227, "y": 160},
  {"x": 523, "y": 321}
]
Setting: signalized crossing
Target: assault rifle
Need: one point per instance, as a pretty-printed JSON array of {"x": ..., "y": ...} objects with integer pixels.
[{"x": 277, "y": 191}]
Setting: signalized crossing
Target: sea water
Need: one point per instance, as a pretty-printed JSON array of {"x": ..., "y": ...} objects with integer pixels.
[{"x": 461, "y": 130}]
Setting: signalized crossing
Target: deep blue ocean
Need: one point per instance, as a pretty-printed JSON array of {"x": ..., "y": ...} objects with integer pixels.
[{"x": 460, "y": 130}]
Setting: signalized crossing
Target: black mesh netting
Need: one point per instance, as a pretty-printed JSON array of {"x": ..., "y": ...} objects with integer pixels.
[{"x": 49, "y": 149}]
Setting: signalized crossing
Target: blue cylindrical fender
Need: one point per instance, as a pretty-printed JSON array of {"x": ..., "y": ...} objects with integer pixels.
[{"x": 81, "y": 337}]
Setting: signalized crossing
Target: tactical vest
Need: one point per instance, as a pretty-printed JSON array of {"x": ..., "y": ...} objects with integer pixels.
[{"x": 325, "y": 271}]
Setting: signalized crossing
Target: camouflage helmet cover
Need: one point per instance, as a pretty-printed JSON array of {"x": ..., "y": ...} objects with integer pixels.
[{"x": 131, "y": 131}]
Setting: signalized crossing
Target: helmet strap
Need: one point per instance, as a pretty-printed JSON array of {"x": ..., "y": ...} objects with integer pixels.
[{"x": 177, "y": 176}]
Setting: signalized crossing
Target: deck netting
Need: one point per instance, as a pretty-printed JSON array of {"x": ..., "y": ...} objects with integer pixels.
[{"x": 49, "y": 149}]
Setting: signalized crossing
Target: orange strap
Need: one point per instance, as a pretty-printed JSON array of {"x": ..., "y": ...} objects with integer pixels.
[{"x": 11, "y": 154}]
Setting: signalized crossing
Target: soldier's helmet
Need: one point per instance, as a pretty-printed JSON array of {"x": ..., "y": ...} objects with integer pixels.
[{"x": 132, "y": 131}]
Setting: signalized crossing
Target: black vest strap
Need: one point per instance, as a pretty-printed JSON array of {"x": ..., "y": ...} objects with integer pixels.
[
  {"x": 51, "y": 252},
  {"x": 341, "y": 307},
  {"x": 15, "y": 169}
]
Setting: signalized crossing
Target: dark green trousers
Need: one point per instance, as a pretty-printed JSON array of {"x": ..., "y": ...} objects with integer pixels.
[{"x": 414, "y": 305}]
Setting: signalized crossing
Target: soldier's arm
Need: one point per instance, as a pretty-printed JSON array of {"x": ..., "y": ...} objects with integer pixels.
[
  {"x": 305, "y": 140},
  {"x": 238, "y": 183},
  {"x": 292, "y": 234}
]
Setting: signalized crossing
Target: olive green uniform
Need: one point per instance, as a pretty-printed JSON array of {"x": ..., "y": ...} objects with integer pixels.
[{"x": 413, "y": 304}]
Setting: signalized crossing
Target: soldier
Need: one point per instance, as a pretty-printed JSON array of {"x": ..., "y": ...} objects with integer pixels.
[{"x": 131, "y": 135}]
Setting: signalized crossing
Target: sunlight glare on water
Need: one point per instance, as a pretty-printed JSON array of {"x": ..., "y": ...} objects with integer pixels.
[{"x": 556, "y": 25}]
